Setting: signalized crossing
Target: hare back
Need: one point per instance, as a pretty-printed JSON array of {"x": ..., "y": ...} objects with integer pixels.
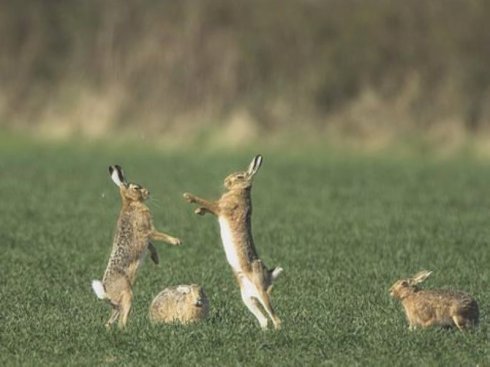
[
  {"x": 184, "y": 303},
  {"x": 447, "y": 298},
  {"x": 131, "y": 238},
  {"x": 443, "y": 305},
  {"x": 133, "y": 225},
  {"x": 180, "y": 294},
  {"x": 128, "y": 250}
]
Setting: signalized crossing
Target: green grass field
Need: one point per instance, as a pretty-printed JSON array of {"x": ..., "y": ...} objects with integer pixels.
[{"x": 344, "y": 228}]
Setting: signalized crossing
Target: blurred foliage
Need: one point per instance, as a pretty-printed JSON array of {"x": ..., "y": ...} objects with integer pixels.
[{"x": 356, "y": 67}]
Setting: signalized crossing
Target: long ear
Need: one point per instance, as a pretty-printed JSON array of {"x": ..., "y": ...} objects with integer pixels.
[
  {"x": 255, "y": 165},
  {"x": 117, "y": 175},
  {"x": 420, "y": 277},
  {"x": 185, "y": 289}
]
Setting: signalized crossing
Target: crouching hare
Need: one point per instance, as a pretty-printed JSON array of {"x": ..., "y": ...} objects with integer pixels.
[
  {"x": 134, "y": 231},
  {"x": 234, "y": 211},
  {"x": 182, "y": 303},
  {"x": 434, "y": 307}
]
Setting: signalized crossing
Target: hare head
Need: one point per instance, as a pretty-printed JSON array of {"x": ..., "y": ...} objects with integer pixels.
[
  {"x": 404, "y": 287},
  {"x": 194, "y": 293},
  {"x": 129, "y": 191},
  {"x": 243, "y": 179}
]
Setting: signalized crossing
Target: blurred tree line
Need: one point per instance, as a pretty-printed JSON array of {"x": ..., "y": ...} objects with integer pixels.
[{"x": 350, "y": 66}]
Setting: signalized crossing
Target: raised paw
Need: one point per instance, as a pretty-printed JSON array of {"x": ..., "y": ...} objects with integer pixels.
[
  {"x": 200, "y": 211},
  {"x": 277, "y": 324},
  {"x": 176, "y": 241},
  {"x": 189, "y": 197}
]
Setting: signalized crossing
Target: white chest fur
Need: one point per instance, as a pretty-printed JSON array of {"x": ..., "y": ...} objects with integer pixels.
[{"x": 229, "y": 244}]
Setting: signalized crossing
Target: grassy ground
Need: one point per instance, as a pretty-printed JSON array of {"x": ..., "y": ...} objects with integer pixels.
[{"x": 343, "y": 228}]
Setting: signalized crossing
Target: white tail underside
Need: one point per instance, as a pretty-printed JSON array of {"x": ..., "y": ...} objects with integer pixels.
[
  {"x": 99, "y": 290},
  {"x": 277, "y": 271}
]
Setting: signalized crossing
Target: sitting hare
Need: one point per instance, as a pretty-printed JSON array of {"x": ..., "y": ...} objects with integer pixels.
[
  {"x": 234, "y": 210},
  {"x": 132, "y": 238},
  {"x": 434, "y": 307},
  {"x": 183, "y": 303}
]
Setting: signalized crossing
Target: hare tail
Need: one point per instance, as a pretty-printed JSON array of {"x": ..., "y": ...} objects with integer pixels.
[
  {"x": 276, "y": 272},
  {"x": 99, "y": 290}
]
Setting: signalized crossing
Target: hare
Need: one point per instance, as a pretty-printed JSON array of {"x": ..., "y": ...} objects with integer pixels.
[
  {"x": 435, "y": 307},
  {"x": 234, "y": 211},
  {"x": 183, "y": 303},
  {"x": 132, "y": 238}
]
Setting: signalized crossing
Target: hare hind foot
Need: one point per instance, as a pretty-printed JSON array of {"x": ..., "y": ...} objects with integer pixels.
[
  {"x": 113, "y": 318},
  {"x": 254, "y": 308}
]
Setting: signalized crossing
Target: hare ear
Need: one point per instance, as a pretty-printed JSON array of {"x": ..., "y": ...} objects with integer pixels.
[
  {"x": 255, "y": 165},
  {"x": 184, "y": 289},
  {"x": 117, "y": 175},
  {"x": 420, "y": 277}
]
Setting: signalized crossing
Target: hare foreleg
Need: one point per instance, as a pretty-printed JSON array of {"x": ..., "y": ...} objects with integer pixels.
[
  {"x": 205, "y": 206},
  {"x": 160, "y": 236},
  {"x": 153, "y": 253}
]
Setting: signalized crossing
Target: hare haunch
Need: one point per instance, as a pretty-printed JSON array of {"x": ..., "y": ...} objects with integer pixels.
[
  {"x": 434, "y": 307},
  {"x": 134, "y": 231},
  {"x": 234, "y": 210}
]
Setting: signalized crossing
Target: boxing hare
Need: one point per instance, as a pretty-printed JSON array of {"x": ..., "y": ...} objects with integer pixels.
[
  {"x": 234, "y": 210},
  {"x": 434, "y": 307},
  {"x": 132, "y": 238}
]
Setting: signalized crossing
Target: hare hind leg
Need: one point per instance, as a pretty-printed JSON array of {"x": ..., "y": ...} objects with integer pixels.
[
  {"x": 125, "y": 307},
  {"x": 265, "y": 301},
  {"x": 113, "y": 318},
  {"x": 253, "y": 307},
  {"x": 121, "y": 295}
]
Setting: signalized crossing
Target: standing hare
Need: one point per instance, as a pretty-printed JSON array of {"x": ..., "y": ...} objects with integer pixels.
[
  {"x": 234, "y": 211},
  {"x": 434, "y": 307},
  {"x": 132, "y": 238},
  {"x": 183, "y": 303}
]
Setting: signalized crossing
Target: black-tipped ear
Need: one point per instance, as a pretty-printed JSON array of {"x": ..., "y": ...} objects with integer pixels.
[
  {"x": 255, "y": 165},
  {"x": 420, "y": 277},
  {"x": 117, "y": 175}
]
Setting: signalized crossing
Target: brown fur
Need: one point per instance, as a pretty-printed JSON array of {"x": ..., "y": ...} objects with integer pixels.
[
  {"x": 183, "y": 303},
  {"x": 436, "y": 307},
  {"x": 234, "y": 211},
  {"x": 134, "y": 231}
]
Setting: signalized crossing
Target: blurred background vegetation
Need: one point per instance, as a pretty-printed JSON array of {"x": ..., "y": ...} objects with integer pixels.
[{"x": 230, "y": 72}]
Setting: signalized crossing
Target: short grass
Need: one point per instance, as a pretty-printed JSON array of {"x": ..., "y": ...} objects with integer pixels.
[{"x": 343, "y": 228}]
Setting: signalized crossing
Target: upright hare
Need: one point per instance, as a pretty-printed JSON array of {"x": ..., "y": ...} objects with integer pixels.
[
  {"x": 434, "y": 307},
  {"x": 234, "y": 210},
  {"x": 132, "y": 238}
]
